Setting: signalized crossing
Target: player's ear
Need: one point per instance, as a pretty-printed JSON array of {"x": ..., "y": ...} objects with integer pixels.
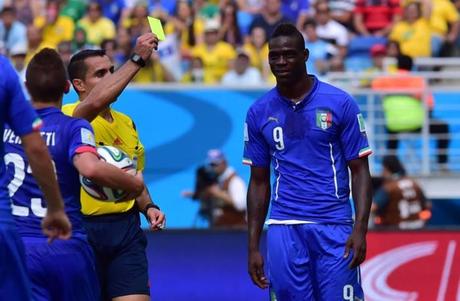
[
  {"x": 306, "y": 54},
  {"x": 79, "y": 85},
  {"x": 67, "y": 87}
]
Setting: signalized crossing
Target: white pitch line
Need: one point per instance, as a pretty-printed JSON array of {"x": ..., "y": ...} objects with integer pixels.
[{"x": 446, "y": 271}]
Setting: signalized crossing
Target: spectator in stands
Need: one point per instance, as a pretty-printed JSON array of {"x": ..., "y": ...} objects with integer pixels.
[
  {"x": 229, "y": 31},
  {"x": 270, "y": 17},
  {"x": 341, "y": 11},
  {"x": 376, "y": 17},
  {"x": 251, "y": 6},
  {"x": 55, "y": 28},
  {"x": 216, "y": 55},
  {"x": 97, "y": 26},
  {"x": 80, "y": 40},
  {"x": 18, "y": 59},
  {"x": 186, "y": 26},
  {"x": 74, "y": 9},
  {"x": 35, "y": 42},
  {"x": 12, "y": 32},
  {"x": 318, "y": 49},
  {"x": 195, "y": 74},
  {"x": 112, "y": 9},
  {"x": 330, "y": 30},
  {"x": 413, "y": 32},
  {"x": 405, "y": 113},
  {"x": 296, "y": 11},
  {"x": 124, "y": 47},
  {"x": 400, "y": 202},
  {"x": 242, "y": 73},
  {"x": 445, "y": 27},
  {"x": 153, "y": 72},
  {"x": 65, "y": 52},
  {"x": 221, "y": 192},
  {"x": 136, "y": 20},
  {"x": 24, "y": 11},
  {"x": 257, "y": 49}
]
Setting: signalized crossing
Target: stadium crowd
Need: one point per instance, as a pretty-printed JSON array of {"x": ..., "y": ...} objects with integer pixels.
[{"x": 213, "y": 41}]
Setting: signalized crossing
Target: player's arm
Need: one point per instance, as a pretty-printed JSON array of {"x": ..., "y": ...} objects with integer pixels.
[
  {"x": 362, "y": 197},
  {"x": 151, "y": 211},
  {"x": 258, "y": 199},
  {"x": 107, "y": 90},
  {"x": 55, "y": 224},
  {"x": 104, "y": 174}
]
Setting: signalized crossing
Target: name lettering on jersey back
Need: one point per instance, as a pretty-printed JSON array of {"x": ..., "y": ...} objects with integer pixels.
[{"x": 10, "y": 137}]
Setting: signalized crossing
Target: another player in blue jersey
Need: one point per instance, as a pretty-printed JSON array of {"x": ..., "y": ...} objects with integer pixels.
[
  {"x": 24, "y": 123},
  {"x": 312, "y": 133},
  {"x": 63, "y": 270}
]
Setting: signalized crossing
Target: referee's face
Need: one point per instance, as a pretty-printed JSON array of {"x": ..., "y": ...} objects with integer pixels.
[{"x": 98, "y": 68}]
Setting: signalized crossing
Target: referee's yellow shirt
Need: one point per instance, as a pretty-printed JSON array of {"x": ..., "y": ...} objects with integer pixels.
[{"x": 120, "y": 133}]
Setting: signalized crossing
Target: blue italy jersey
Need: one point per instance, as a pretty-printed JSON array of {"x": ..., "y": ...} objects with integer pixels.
[
  {"x": 21, "y": 118},
  {"x": 309, "y": 145},
  {"x": 65, "y": 136}
]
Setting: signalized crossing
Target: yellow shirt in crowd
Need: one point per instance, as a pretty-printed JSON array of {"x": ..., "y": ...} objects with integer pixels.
[
  {"x": 216, "y": 61},
  {"x": 120, "y": 133},
  {"x": 414, "y": 39},
  {"x": 53, "y": 34},
  {"x": 443, "y": 14},
  {"x": 198, "y": 30},
  {"x": 257, "y": 58},
  {"x": 98, "y": 31}
]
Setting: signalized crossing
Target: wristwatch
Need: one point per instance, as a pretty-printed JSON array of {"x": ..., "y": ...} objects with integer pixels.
[
  {"x": 137, "y": 59},
  {"x": 149, "y": 205}
]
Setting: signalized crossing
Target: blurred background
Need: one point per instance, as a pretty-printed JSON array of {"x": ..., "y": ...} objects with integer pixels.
[{"x": 398, "y": 58}]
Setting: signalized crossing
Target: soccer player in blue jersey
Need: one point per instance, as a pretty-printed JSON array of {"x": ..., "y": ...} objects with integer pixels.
[
  {"x": 312, "y": 133},
  {"x": 25, "y": 124},
  {"x": 63, "y": 270}
]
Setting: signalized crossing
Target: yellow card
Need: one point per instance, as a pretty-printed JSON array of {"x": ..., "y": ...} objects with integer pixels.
[{"x": 157, "y": 29}]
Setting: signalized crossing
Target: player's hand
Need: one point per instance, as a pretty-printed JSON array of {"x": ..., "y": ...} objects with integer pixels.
[
  {"x": 145, "y": 44},
  {"x": 157, "y": 219},
  {"x": 56, "y": 224},
  {"x": 256, "y": 269},
  {"x": 356, "y": 242}
]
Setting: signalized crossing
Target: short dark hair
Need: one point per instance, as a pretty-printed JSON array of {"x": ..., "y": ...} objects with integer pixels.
[
  {"x": 392, "y": 163},
  {"x": 46, "y": 78},
  {"x": 405, "y": 62},
  {"x": 77, "y": 67},
  {"x": 289, "y": 30},
  {"x": 8, "y": 9}
]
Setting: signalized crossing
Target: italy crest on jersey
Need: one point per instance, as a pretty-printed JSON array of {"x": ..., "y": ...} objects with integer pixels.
[{"x": 323, "y": 119}]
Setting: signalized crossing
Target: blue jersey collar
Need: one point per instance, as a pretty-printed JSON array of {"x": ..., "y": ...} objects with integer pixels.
[
  {"x": 48, "y": 110},
  {"x": 305, "y": 100}
]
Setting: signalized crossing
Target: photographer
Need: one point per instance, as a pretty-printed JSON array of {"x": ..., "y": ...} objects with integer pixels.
[{"x": 221, "y": 192}]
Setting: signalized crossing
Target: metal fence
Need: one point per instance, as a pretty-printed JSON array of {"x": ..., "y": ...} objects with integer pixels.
[{"x": 418, "y": 150}]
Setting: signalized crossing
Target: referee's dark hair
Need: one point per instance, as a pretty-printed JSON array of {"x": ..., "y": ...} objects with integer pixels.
[
  {"x": 46, "y": 78},
  {"x": 77, "y": 67}
]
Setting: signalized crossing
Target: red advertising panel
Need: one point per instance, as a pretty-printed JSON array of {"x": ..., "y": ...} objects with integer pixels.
[{"x": 410, "y": 266}]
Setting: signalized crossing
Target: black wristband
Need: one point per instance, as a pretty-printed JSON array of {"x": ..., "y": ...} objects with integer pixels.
[
  {"x": 137, "y": 59},
  {"x": 149, "y": 205}
]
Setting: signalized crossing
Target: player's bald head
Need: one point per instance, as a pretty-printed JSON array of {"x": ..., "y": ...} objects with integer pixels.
[{"x": 46, "y": 78}]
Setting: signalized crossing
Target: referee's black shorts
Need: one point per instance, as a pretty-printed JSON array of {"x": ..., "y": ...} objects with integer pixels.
[{"x": 119, "y": 245}]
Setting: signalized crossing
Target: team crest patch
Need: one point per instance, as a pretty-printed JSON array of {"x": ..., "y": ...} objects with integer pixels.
[{"x": 323, "y": 119}]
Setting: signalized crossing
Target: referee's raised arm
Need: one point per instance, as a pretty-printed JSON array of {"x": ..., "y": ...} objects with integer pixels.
[{"x": 107, "y": 91}]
